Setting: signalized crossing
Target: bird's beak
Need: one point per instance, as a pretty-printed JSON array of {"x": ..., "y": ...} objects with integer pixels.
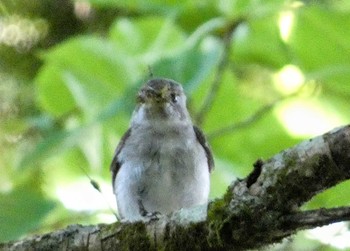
[
  {"x": 164, "y": 92},
  {"x": 156, "y": 95}
]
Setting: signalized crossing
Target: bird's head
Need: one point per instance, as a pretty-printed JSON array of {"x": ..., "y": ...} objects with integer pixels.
[{"x": 161, "y": 99}]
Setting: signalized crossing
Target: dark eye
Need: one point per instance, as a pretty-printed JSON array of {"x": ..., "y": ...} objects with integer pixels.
[{"x": 174, "y": 97}]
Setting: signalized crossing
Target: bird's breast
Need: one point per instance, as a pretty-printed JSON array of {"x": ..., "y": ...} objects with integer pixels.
[{"x": 169, "y": 168}]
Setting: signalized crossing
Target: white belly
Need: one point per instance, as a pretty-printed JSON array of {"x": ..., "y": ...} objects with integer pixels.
[{"x": 166, "y": 175}]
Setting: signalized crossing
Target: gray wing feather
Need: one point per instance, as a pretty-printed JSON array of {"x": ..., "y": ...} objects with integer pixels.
[
  {"x": 202, "y": 140},
  {"x": 116, "y": 164}
]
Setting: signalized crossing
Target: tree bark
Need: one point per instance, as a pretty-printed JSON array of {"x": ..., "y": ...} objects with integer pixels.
[{"x": 260, "y": 210}]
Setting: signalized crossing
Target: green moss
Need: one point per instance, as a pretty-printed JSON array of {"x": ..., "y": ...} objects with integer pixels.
[
  {"x": 290, "y": 159},
  {"x": 192, "y": 237},
  {"x": 137, "y": 237},
  {"x": 134, "y": 237},
  {"x": 217, "y": 209},
  {"x": 228, "y": 196}
]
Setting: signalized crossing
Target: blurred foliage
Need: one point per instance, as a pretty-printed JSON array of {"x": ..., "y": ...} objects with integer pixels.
[{"x": 270, "y": 73}]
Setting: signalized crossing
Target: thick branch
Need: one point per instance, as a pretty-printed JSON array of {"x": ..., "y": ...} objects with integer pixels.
[
  {"x": 259, "y": 210},
  {"x": 294, "y": 176}
]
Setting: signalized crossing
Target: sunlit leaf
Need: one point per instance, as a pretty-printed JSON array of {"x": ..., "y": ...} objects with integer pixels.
[
  {"x": 320, "y": 40},
  {"x": 250, "y": 9},
  {"x": 53, "y": 94},
  {"x": 258, "y": 42}
]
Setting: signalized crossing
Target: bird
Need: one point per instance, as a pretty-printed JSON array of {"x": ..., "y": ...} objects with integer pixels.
[{"x": 163, "y": 161}]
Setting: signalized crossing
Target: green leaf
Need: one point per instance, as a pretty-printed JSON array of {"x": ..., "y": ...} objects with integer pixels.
[
  {"x": 258, "y": 42},
  {"x": 22, "y": 210},
  {"x": 221, "y": 177},
  {"x": 334, "y": 197},
  {"x": 197, "y": 13},
  {"x": 86, "y": 72},
  {"x": 251, "y": 8},
  {"x": 53, "y": 95},
  {"x": 147, "y": 38},
  {"x": 64, "y": 140},
  {"x": 55, "y": 143},
  {"x": 92, "y": 146},
  {"x": 192, "y": 66},
  {"x": 235, "y": 103},
  {"x": 141, "y": 5},
  {"x": 320, "y": 41}
]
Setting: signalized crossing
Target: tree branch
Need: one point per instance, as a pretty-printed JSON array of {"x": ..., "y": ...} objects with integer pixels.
[
  {"x": 317, "y": 218},
  {"x": 260, "y": 210}
]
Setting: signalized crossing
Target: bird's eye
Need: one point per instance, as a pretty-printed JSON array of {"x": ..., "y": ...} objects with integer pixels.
[{"x": 174, "y": 97}]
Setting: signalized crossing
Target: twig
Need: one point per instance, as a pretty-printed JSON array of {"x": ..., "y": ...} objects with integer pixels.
[
  {"x": 207, "y": 104},
  {"x": 239, "y": 125},
  {"x": 97, "y": 187},
  {"x": 317, "y": 218},
  {"x": 249, "y": 120}
]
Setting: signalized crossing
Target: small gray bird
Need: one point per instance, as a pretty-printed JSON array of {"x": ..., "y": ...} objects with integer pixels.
[{"x": 163, "y": 161}]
